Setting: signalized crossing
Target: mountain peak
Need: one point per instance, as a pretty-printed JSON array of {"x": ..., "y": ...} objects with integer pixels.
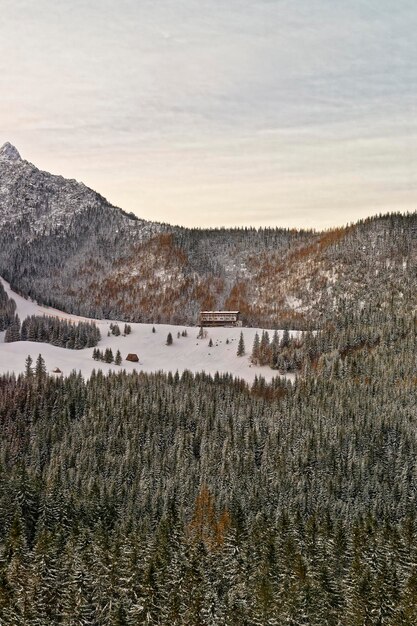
[{"x": 9, "y": 152}]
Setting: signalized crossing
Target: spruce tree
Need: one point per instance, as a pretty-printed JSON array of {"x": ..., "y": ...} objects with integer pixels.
[
  {"x": 285, "y": 341},
  {"x": 264, "y": 349},
  {"x": 255, "y": 350},
  {"x": 13, "y": 331},
  {"x": 28, "y": 367},
  {"x": 40, "y": 368},
  {"x": 241, "y": 345}
]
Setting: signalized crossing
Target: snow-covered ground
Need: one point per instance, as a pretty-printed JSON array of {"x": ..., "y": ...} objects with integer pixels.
[{"x": 186, "y": 353}]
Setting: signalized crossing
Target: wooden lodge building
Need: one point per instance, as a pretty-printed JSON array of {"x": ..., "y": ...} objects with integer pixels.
[{"x": 220, "y": 318}]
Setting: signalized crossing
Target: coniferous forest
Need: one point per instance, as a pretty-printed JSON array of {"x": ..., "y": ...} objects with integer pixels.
[
  {"x": 260, "y": 470},
  {"x": 47, "y": 329},
  {"x": 53, "y": 330},
  {"x": 194, "y": 500},
  {"x": 7, "y": 309}
]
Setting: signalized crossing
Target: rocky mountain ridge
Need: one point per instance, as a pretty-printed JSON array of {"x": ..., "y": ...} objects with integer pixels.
[{"x": 65, "y": 245}]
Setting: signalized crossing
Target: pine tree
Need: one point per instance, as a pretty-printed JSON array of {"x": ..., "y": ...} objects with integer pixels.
[
  {"x": 285, "y": 341},
  {"x": 275, "y": 345},
  {"x": 264, "y": 349},
  {"x": 241, "y": 345},
  {"x": 28, "y": 367},
  {"x": 40, "y": 368},
  {"x": 169, "y": 340},
  {"x": 255, "y": 350},
  {"x": 108, "y": 355},
  {"x": 118, "y": 358},
  {"x": 13, "y": 331}
]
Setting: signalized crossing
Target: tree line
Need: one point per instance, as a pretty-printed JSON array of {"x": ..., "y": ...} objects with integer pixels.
[{"x": 58, "y": 332}]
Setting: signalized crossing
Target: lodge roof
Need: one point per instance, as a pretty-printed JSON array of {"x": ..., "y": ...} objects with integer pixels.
[{"x": 218, "y": 312}]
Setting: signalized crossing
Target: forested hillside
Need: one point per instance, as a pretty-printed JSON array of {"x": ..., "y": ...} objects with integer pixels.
[
  {"x": 65, "y": 245},
  {"x": 158, "y": 499}
]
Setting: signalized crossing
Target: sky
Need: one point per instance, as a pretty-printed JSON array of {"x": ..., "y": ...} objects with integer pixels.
[{"x": 298, "y": 113}]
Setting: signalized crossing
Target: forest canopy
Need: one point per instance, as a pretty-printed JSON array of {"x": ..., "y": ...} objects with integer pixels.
[{"x": 166, "y": 499}]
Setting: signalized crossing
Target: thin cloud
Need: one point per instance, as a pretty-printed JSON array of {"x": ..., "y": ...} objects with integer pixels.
[{"x": 204, "y": 112}]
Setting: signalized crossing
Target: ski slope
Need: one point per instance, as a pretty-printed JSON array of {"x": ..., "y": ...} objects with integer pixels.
[{"x": 186, "y": 353}]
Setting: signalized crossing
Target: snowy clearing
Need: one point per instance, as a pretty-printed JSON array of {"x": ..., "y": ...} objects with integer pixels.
[{"x": 186, "y": 353}]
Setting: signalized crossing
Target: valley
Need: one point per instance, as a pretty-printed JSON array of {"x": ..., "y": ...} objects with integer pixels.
[
  {"x": 64, "y": 245},
  {"x": 186, "y": 353},
  {"x": 208, "y": 313},
  {"x": 227, "y": 493}
]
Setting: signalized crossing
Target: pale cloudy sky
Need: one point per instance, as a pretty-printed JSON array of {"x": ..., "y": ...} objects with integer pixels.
[{"x": 209, "y": 112}]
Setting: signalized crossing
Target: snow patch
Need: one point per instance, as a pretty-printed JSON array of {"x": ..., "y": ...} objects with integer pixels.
[{"x": 186, "y": 353}]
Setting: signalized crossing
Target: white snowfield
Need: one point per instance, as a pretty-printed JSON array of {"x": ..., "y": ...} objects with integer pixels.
[{"x": 186, "y": 353}]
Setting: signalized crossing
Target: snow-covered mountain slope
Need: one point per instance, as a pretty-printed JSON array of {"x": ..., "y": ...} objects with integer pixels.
[
  {"x": 51, "y": 227},
  {"x": 41, "y": 203},
  {"x": 36, "y": 200},
  {"x": 63, "y": 244},
  {"x": 186, "y": 353}
]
